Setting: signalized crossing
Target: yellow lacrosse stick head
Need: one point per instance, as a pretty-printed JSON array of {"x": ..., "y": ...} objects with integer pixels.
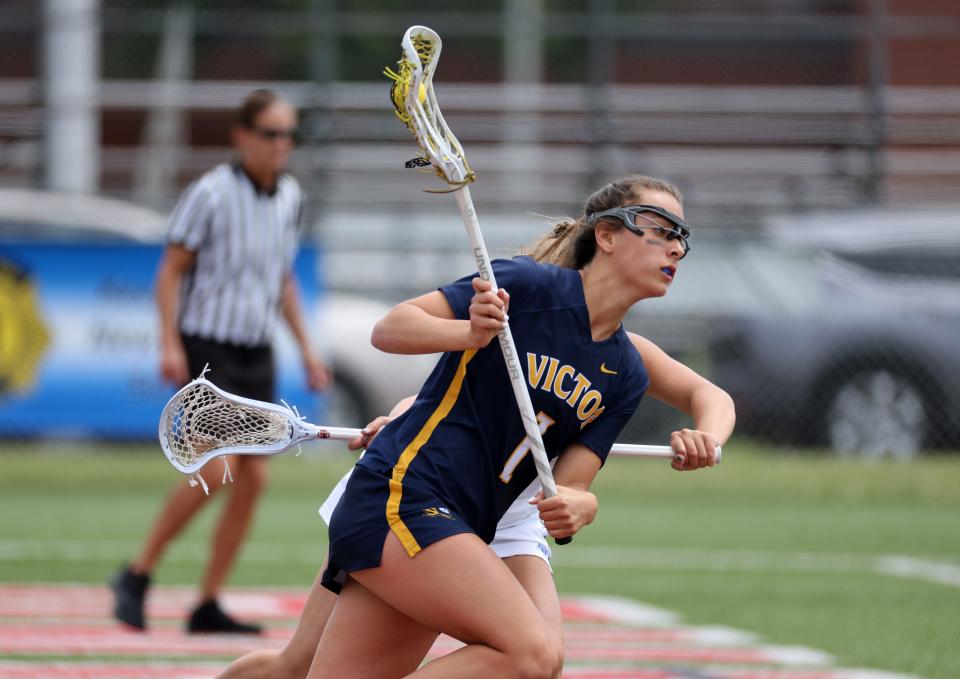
[{"x": 416, "y": 105}]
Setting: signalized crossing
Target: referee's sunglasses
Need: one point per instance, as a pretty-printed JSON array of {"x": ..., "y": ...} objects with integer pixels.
[
  {"x": 270, "y": 134},
  {"x": 636, "y": 219}
]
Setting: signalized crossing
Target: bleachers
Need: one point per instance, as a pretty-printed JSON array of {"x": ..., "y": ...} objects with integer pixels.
[{"x": 738, "y": 153}]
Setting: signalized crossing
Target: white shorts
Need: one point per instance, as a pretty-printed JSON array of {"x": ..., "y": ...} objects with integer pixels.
[{"x": 519, "y": 533}]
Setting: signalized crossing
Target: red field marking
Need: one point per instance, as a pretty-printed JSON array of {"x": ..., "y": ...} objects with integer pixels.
[
  {"x": 167, "y": 603},
  {"x": 173, "y": 603},
  {"x": 651, "y": 654},
  {"x": 81, "y": 640},
  {"x": 703, "y": 673},
  {"x": 625, "y": 674},
  {"x": 616, "y": 634},
  {"x": 47, "y": 670},
  {"x": 794, "y": 674},
  {"x": 605, "y": 639},
  {"x": 155, "y": 670},
  {"x": 575, "y": 611},
  {"x": 696, "y": 656}
]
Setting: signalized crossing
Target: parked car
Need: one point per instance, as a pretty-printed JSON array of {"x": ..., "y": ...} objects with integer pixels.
[{"x": 872, "y": 366}]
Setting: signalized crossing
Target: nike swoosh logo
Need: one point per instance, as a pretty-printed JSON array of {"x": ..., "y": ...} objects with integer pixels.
[{"x": 604, "y": 369}]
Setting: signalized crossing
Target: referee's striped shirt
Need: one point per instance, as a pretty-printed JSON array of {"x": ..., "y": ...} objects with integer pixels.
[{"x": 245, "y": 242}]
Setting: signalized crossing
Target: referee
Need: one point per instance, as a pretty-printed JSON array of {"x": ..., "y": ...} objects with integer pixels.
[{"x": 225, "y": 275}]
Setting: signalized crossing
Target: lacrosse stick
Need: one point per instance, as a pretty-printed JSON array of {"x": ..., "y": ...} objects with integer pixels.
[
  {"x": 416, "y": 105},
  {"x": 202, "y": 422}
]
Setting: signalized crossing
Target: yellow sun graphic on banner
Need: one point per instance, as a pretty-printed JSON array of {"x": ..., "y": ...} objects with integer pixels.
[{"x": 23, "y": 335}]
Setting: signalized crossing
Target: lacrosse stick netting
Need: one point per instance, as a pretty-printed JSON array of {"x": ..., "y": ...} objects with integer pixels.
[
  {"x": 413, "y": 82},
  {"x": 414, "y": 75},
  {"x": 202, "y": 422}
]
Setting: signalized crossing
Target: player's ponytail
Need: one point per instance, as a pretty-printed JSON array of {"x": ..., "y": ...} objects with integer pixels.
[{"x": 556, "y": 247}]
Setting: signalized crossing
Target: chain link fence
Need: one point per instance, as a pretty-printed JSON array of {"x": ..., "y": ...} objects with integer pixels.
[{"x": 817, "y": 143}]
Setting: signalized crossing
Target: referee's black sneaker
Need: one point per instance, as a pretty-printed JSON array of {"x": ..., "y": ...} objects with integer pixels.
[
  {"x": 209, "y": 617},
  {"x": 129, "y": 593}
]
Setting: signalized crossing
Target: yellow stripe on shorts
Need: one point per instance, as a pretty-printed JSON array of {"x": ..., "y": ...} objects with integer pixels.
[{"x": 406, "y": 457}]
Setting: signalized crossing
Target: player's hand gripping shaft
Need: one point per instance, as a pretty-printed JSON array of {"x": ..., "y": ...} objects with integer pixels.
[
  {"x": 694, "y": 449},
  {"x": 488, "y": 313}
]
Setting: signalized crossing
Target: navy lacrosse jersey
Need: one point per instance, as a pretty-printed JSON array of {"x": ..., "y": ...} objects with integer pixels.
[{"x": 463, "y": 438}]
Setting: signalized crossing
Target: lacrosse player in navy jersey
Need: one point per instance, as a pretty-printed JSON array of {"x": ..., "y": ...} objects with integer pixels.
[
  {"x": 407, "y": 540},
  {"x": 520, "y": 534}
]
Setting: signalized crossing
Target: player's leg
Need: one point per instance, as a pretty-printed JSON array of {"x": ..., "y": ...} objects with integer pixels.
[
  {"x": 293, "y": 662},
  {"x": 250, "y": 473},
  {"x": 370, "y": 639},
  {"x": 456, "y": 585},
  {"x": 535, "y": 577},
  {"x": 521, "y": 541}
]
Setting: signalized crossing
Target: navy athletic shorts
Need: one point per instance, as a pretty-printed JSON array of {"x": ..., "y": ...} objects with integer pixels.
[
  {"x": 372, "y": 506},
  {"x": 241, "y": 370}
]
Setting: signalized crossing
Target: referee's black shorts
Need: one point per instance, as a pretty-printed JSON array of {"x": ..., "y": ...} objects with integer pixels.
[{"x": 241, "y": 370}]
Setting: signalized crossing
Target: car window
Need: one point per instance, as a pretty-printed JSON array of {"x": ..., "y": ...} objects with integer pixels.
[{"x": 941, "y": 265}]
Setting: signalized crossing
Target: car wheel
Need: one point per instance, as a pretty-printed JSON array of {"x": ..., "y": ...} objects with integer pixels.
[
  {"x": 877, "y": 413},
  {"x": 346, "y": 403}
]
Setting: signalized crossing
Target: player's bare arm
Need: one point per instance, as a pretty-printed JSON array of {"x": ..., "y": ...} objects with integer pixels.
[
  {"x": 426, "y": 324},
  {"x": 710, "y": 406}
]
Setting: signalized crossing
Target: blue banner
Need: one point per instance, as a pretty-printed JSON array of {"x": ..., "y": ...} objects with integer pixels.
[{"x": 79, "y": 340}]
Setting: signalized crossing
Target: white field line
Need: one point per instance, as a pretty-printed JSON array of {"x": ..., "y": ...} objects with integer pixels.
[
  {"x": 923, "y": 569},
  {"x": 609, "y": 558},
  {"x": 628, "y": 558},
  {"x": 630, "y": 613},
  {"x": 633, "y": 613}
]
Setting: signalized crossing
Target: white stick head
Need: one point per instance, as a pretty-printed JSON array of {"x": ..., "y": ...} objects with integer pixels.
[
  {"x": 201, "y": 422},
  {"x": 414, "y": 74}
]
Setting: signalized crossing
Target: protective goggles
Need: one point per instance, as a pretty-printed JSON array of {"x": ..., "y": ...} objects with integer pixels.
[{"x": 635, "y": 218}]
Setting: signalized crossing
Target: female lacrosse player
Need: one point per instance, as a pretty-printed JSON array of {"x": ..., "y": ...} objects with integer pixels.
[
  {"x": 427, "y": 495},
  {"x": 519, "y": 538}
]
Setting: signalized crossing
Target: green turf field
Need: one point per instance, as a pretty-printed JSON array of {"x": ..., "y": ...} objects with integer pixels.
[{"x": 860, "y": 560}]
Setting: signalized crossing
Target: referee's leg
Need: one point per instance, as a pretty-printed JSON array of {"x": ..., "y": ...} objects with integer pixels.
[
  {"x": 248, "y": 372},
  {"x": 250, "y": 476},
  {"x": 181, "y": 505}
]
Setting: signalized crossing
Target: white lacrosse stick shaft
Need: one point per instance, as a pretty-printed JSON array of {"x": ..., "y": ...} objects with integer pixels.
[
  {"x": 619, "y": 449},
  {"x": 445, "y": 153},
  {"x": 508, "y": 348},
  {"x": 650, "y": 452}
]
